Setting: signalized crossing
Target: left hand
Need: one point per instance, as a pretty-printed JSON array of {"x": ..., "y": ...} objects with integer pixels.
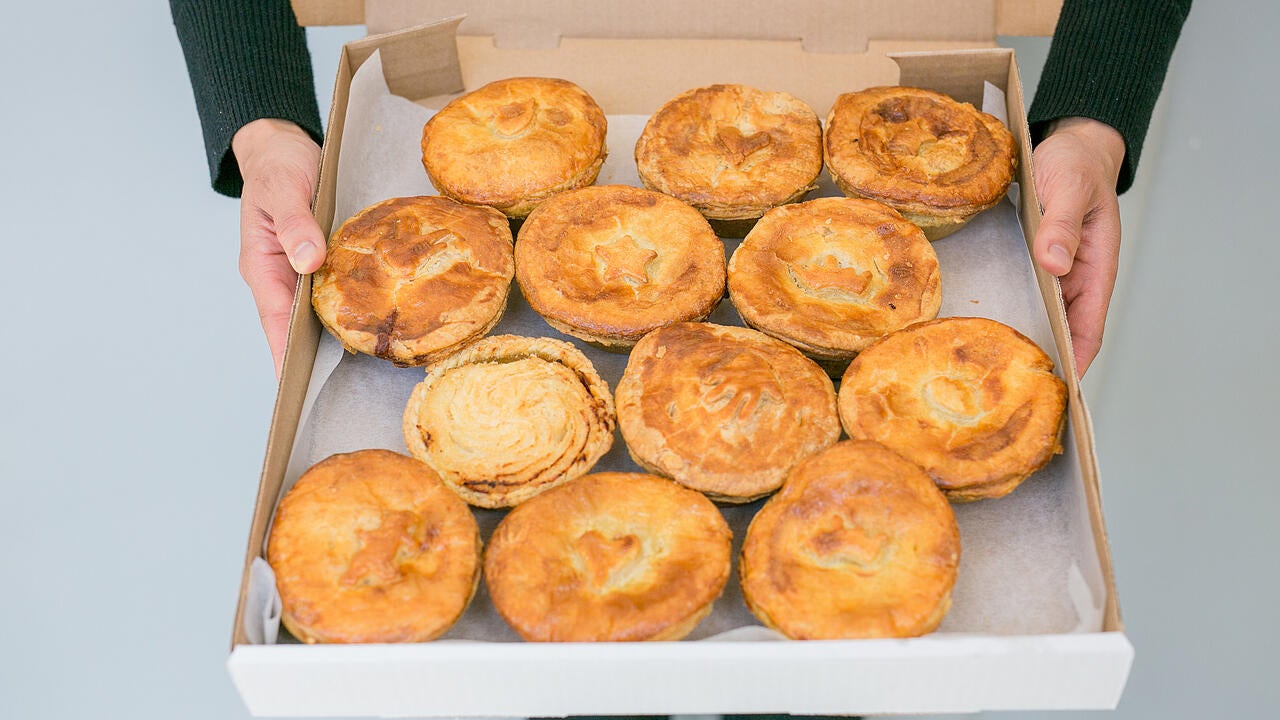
[{"x": 1076, "y": 168}]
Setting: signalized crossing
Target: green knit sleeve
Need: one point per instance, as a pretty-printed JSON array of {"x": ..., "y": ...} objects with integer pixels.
[
  {"x": 1107, "y": 61},
  {"x": 247, "y": 59}
]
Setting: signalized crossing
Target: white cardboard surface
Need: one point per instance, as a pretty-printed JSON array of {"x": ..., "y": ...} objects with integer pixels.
[{"x": 1029, "y": 574}]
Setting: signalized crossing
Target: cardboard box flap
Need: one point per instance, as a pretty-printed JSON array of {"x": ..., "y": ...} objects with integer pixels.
[
  {"x": 419, "y": 62},
  {"x": 822, "y": 25}
]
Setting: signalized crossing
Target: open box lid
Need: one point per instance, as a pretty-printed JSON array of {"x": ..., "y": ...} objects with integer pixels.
[{"x": 822, "y": 25}]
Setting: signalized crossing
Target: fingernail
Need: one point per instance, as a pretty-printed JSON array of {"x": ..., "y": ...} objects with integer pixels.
[
  {"x": 1060, "y": 256},
  {"x": 305, "y": 256}
]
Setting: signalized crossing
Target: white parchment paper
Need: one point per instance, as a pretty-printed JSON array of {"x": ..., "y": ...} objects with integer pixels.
[{"x": 1027, "y": 562}]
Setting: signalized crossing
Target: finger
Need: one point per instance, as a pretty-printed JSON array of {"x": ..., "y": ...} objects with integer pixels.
[
  {"x": 271, "y": 279},
  {"x": 1065, "y": 200},
  {"x": 1087, "y": 302},
  {"x": 1087, "y": 317},
  {"x": 287, "y": 203}
]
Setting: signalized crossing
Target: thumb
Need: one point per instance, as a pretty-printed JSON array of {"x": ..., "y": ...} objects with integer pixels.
[
  {"x": 1058, "y": 238},
  {"x": 301, "y": 239}
]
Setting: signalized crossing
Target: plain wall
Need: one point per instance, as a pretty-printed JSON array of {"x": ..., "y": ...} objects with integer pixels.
[{"x": 137, "y": 387}]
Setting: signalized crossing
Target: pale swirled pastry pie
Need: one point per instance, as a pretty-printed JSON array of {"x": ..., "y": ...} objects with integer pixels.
[
  {"x": 609, "y": 557},
  {"x": 731, "y": 151},
  {"x": 972, "y": 401},
  {"x": 609, "y": 263},
  {"x": 937, "y": 161},
  {"x": 857, "y": 544},
  {"x": 832, "y": 275},
  {"x": 723, "y": 410},
  {"x": 413, "y": 279},
  {"x": 370, "y": 547},
  {"x": 513, "y": 143},
  {"x": 510, "y": 417}
]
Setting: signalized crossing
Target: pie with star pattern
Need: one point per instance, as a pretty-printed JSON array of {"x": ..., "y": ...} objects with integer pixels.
[{"x": 609, "y": 263}]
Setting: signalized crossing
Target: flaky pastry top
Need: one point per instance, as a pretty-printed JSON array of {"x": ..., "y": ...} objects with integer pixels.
[
  {"x": 515, "y": 142},
  {"x": 609, "y": 557},
  {"x": 412, "y": 279},
  {"x": 510, "y": 417},
  {"x": 857, "y": 544},
  {"x": 731, "y": 151},
  {"x": 919, "y": 151},
  {"x": 371, "y": 547},
  {"x": 723, "y": 410},
  {"x": 971, "y": 400},
  {"x": 832, "y": 275},
  {"x": 609, "y": 263}
]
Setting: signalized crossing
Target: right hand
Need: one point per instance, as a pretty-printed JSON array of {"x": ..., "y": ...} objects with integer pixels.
[{"x": 279, "y": 238}]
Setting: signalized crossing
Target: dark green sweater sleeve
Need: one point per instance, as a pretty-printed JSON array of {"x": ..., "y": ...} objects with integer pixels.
[
  {"x": 1107, "y": 61},
  {"x": 247, "y": 59}
]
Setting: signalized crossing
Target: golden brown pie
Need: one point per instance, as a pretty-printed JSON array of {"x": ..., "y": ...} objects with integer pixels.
[
  {"x": 413, "y": 279},
  {"x": 609, "y": 263},
  {"x": 832, "y": 275},
  {"x": 731, "y": 151},
  {"x": 857, "y": 544},
  {"x": 972, "y": 401},
  {"x": 513, "y": 143},
  {"x": 937, "y": 161},
  {"x": 370, "y": 547},
  {"x": 609, "y": 557},
  {"x": 723, "y": 410},
  {"x": 510, "y": 417}
]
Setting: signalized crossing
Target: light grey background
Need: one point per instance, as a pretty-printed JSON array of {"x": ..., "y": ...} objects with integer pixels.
[{"x": 137, "y": 388}]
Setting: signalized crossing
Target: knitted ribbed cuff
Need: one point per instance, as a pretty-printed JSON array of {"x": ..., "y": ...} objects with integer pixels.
[
  {"x": 247, "y": 60},
  {"x": 1107, "y": 62}
]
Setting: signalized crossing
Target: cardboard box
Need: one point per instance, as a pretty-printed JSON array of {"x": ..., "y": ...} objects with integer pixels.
[{"x": 633, "y": 58}]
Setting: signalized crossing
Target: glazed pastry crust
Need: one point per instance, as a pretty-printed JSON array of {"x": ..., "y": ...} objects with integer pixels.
[
  {"x": 510, "y": 417},
  {"x": 414, "y": 279},
  {"x": 723, "y": 410},
  {"x": 513, "y": 143},
  {"x": 937, "y": 161},
  {"x": 833, "y": 275},
  {"x": 972, "y": 401},
  {"x": 609, "y": 263},
  {"x": 857, "y": 544},
  {"x": 731, "y": 151},
  {"x": 609, "y": 557},
  {"x": 370, "y": 547}
]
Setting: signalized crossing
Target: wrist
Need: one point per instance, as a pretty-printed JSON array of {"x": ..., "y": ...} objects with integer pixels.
[
  {"x": 1095, "y": 134},
  {"x": 262, "y": 133}
]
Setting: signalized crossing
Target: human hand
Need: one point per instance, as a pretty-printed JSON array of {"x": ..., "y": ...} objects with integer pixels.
[
  {"x": 1076, "y": 168},
  {"x": 279, "y": 238}
]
